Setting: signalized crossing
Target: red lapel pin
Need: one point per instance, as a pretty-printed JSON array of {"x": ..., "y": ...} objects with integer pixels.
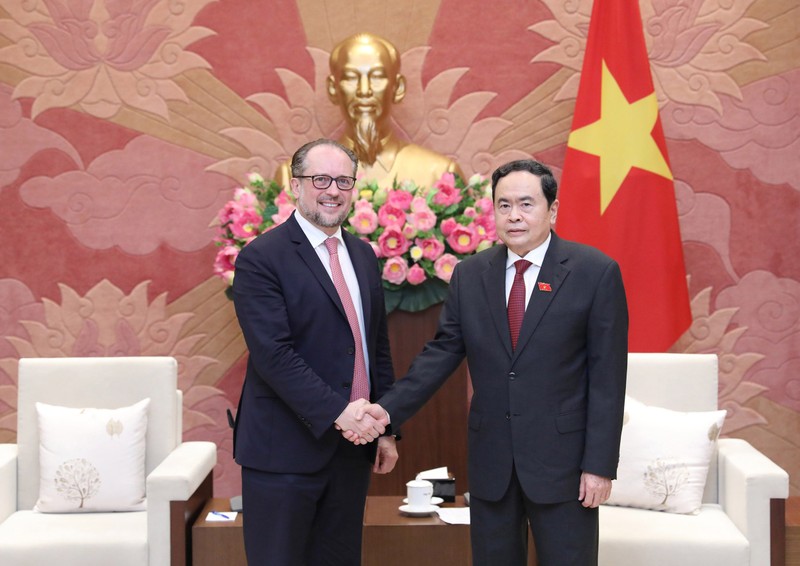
[{"x": 545, "y": 287}]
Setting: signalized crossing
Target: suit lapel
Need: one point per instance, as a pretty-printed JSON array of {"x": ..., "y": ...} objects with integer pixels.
[
  {"x": 551, "y": 276},
  {"x": 494, "y": 283},
  {"x": 309, "y": 256}
]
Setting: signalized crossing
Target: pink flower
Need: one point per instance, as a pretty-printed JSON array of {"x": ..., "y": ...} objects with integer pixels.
[
  {"x": 485, "y": 205},
  {"x": 419, "y": 203},
  {"x": 375, "y": 248},
  {"x": 364, "y": 220},
  {"x": 389, "y": 215},
  {"x": 448, "y": 225},
  {"x": 225, "y": 260},
  {"x": 362, "y": 203},
  {"x": 244, "y": 223},
  {"x": 424, "y": 219},
  {"x": 222, "y": 240},
  {"x": 432, "y": 248},
  {"x": 416, "y": 275},
  {"x": 444, "y": 267},
  {"x": 470, "y": 212},
  {"x": 447, "y": 180},
  {"x": 395, "y": 270},
  {"x": 225, "y": 213},
  {"x": 392, "y": 242},
  {"x": 486, "y": 228},
  {"x": 463, "y": 239},
  {"x": 283, "y": 198},
  {"x": 399, "y": 199},
  {"x": 284, "y": 212},
  {"x": 447, "y": 192},
  {"x": 245, "y": 198},
  {"x": 409, "y": 231}
]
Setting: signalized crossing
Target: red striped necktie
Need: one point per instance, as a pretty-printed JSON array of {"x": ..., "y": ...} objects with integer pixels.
[{"x": 516, "y": 301}]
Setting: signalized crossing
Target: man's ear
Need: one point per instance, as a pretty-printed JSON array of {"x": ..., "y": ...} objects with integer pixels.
[
  {"x": 400, "y": 88},
  {"x": 333, "y": 92},
  {"x": 294, "y": 184}
]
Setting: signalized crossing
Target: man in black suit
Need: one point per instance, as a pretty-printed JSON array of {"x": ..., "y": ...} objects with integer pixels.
[
  {"x": 309, "y": 299},
  {"x": 546, "y": 415}
]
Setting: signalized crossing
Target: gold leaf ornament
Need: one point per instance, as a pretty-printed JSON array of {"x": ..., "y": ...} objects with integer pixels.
[{"x": 114, "y": 427}]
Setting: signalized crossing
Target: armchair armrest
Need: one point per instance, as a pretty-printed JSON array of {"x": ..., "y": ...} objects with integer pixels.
[
  {"x": 8, "y": 480},
  {"x": 748, "y": 480},
  {"x": 175, "y": 479}
]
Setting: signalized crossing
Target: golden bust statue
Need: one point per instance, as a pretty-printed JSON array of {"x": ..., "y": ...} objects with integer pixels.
[{"x": 365, "y": 82}]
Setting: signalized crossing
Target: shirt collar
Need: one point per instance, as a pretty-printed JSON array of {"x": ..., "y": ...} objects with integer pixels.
[
  {"x": 316, "y": 237},
  {"x": 535, "y": 256}
]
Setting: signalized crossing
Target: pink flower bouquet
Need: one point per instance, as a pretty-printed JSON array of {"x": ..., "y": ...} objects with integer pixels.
[{"x": 419, "y": 234}]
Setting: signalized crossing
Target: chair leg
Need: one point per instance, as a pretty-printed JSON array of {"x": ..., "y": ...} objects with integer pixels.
[
  {"x": 777, "y": 527},
  {"x": 182, "y": 515}
]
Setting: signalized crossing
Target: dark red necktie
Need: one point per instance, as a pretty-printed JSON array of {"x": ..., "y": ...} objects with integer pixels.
[{"x": 516, "y": 301}]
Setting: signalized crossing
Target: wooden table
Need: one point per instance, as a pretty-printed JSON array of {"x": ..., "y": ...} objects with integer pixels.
[
  {"x": 390, "y": 538},
  {"x": 394, "y": 539},
  {"x": 217, "y": 543}
]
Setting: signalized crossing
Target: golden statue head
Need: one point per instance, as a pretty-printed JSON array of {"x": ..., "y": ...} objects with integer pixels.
[{"x": 365, "y": 82}]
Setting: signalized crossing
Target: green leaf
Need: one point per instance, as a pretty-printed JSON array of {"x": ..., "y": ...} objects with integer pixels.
[
  {"x": 415, "y": 298},
  {"x": 391, "y": 299}
]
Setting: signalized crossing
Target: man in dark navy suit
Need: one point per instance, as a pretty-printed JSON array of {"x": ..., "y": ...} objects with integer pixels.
[
  {"x": 309, "y": 299},
  {"x": 543, "y": 323}
]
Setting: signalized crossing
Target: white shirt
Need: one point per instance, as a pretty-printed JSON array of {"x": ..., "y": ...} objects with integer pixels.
[
  {"x": 536, "y": 257},
  {"x": 317, "y": 239}
]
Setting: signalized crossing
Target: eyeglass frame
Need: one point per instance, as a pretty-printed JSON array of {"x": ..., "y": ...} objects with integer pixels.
[{"x": 331, "y": 180}]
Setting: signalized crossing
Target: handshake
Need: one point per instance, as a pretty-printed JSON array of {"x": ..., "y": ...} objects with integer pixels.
[{"x": 362, "y": 421}]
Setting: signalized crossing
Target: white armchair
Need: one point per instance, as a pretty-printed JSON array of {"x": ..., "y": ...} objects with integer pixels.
[
  {"x": 741, "y": 520},
  {"x": 178, "y": 474}
]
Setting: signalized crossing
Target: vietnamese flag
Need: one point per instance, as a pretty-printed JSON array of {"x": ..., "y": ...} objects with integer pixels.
[{"x": 617, "y": 192}]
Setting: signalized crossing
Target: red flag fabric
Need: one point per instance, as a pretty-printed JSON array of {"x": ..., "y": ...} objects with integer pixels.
[{"x": 617, "y": 191}]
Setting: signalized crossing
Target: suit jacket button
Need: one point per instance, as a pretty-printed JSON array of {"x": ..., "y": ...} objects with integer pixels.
[
  {"x": 346, "y": 385},
  {"x": 512, "y": 376},
  {"x": 508, "y": 416},
  {"x": 351, "y": 351}
]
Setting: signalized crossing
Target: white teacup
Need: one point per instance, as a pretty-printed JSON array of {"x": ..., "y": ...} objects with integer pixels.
[{"x": 419, "y": 493}]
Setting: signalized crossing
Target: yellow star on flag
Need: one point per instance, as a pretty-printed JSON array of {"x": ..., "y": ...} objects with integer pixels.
[{"x": 621, "y": 138}]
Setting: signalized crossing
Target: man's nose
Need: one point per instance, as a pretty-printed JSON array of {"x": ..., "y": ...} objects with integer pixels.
[
  {"x": 364, "y": 88},
  {"x": 332, "y": 190}
]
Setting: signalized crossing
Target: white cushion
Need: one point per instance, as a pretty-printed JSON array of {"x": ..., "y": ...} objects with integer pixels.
[
  {"x": 88, "y": 539},
  {"x": 91, "y": 459},
  {"x": 664, "y": 457},
  {"x": 637, "y": 537}
]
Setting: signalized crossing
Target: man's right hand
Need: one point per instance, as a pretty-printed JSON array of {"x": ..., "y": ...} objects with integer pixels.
[
  {"x": 361, "y": 426},
  {"x": 375, "y": 411},
  {"x": 367, "y": 412}
]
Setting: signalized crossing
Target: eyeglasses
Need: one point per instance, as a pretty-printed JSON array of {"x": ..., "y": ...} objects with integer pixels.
[{"x": 322, "y": 182}]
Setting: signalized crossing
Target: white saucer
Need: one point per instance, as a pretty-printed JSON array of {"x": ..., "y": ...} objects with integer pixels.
[
  {"x": 417, "y": 511},
  {"x": 434, "y": 500}
]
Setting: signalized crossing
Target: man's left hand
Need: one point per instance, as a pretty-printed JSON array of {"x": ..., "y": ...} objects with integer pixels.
[
  {"x": 594, "y": 490},
  {"x": 387, "y": 455}
]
